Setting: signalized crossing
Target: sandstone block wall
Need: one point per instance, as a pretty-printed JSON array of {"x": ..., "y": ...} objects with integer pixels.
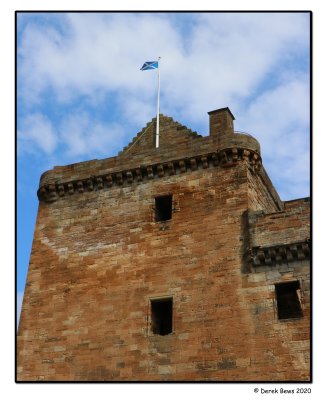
[
  {"x": 99, "y": 258},
  {"x": 290, "y": 225}
]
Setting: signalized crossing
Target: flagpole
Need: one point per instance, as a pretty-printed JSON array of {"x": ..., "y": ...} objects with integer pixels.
[{"x": 158, "y": 106}]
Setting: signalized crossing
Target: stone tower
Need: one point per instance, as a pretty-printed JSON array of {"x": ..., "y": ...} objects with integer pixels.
[{"x": 173, "y": 264}]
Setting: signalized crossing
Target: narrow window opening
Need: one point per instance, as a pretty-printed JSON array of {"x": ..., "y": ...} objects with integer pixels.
[
  {"x": 161, "y": 316},
  {"x": 288, "y": 300},
  {"x": 163, "y": 208}
]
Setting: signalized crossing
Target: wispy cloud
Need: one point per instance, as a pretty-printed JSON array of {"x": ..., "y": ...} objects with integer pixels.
[
  {"x": 82, "y": 135},
  {"x": 224, "y": 55},
  {"x": 257, "y": 64},
  {"x": 36, "y": 130},
  {"x": 78, "y": 134}
]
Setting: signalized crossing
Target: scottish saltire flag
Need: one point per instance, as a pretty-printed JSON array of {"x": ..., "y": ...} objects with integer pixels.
[
  {"x": 149, "y": 65},
  {"x": 155, "y": 65}
]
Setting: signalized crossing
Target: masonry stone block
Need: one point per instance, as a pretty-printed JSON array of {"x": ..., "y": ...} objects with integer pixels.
[{"x": 100, "y": 260}]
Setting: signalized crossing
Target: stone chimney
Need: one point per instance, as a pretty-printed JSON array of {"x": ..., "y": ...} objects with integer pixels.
[{"x": 221, "y": 123}]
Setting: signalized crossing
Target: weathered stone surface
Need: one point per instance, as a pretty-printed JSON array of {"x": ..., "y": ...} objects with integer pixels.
[{"x": 99, "y": 257}]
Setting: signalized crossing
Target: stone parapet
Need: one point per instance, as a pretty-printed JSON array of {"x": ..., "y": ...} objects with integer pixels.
[
  {"x": 176, "y": 142},
  {"x": 226, "y": 157},
  {"x": 240, "y": 139}
]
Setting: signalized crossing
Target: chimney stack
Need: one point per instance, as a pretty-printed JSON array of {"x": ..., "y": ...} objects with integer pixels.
[{"x": 221, "y": 123}]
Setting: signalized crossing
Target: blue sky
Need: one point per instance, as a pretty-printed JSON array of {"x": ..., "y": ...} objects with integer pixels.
[{"x": 81, "y": 94}]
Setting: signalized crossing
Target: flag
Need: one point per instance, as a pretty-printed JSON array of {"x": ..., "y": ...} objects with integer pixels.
[
  {"x": 155, "y": 65},
  {"x": 149, "y": 65}
]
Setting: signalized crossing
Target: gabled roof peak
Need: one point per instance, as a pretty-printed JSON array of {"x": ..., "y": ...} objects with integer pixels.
[{"x": 171, "y": 133}]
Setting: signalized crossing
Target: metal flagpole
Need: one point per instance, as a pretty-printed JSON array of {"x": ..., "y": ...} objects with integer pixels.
[{"x": 158, "y": 106}]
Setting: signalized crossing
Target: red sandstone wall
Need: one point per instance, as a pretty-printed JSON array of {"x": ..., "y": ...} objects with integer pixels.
[
  {"x": 288, "y": 226},
  {"x": 98, "y": 258},
  {"x": 261, "y": 193},
  {"x": 286, "y": 343},
  {"x": 281, "y": 349}
]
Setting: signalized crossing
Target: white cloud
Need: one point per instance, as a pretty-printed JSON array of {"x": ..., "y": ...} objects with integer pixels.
[
  {"x": 280, "y": 118},
  {"x": 272, "y": 114},
  {"x": 81, "y": 135},
  {"x": 224, "y": 55},
  {"x": 77, "y": 135},
  {"x": 251, "y": 62},
  {"x": 36, "y": 132}
]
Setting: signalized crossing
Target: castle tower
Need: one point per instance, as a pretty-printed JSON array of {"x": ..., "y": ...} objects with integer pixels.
[{"x": 173, "y": 264}]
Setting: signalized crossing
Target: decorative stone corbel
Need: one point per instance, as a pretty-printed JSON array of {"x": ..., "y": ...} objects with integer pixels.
[
  {"x": 90, "y": 185},
  {"x": 204, "y": 162},
  {"x": 234, "y": 154},
  {"x": 193, "y": 164},
  {"x": 109, "y": 180},
  {"x": 52, "y": 194},
  {"x": 80, "y": 186},
  {"x": 139, "y": 175},
  {"x": 246, "y": 154},
  {"x": 70, "y": 188},
  {"x": 160, "y": 170},
  {"x": 306, "y": 248},
  {"x": 223, "y": 157},
  {"x": 130, "y": 177},
  {"x": 119, "y": 178},
  {"x": 61, "y": 190},
  {"x": 215, "y": 159},
  {"x": 171, "y": 168},
  {"x": 150, "y": 173},
  {"x": 99, "y": 182},
  {"x": 182, "y": 166}
]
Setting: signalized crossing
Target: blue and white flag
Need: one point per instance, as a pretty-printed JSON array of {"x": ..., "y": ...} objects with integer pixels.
[
  {"x": 149, "y": 65},
  {"x": 155, "y": 65}
]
